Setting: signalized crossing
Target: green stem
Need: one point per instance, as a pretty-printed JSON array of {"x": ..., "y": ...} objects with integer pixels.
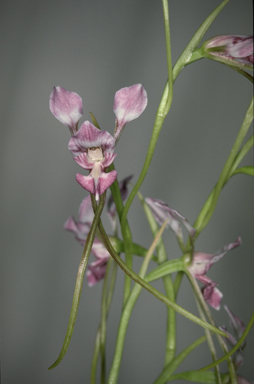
[
  {"x": 98, "y": 335},
  {"x": 174, "y": 364},
  {"x": 147, "y": 286},
  {"x": 79, "y": 280},
  {"x": 207, "y": 312},
  {"x": 209, "y": 207},
  {"x": 168, "y": 50},
  {"x": 168, "y": 285},
  {"x": 127, "y": 311}
]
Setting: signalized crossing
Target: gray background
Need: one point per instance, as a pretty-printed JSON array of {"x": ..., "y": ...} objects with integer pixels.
[{"x": 95, "y": 48}]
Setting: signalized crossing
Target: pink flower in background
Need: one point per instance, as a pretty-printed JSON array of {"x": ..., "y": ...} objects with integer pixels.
[
  {"x": 81, "y": 228},
  {"x": 238, "y": 328},
  {"x": 201, "y": 263},
  {"x": 66, "y": 107},
  {"x": 129, "y": 103},
  {"x": 93, "y": 150},
  {"x": 235, "y": 48},
  {"x": 162, "y": 212}
]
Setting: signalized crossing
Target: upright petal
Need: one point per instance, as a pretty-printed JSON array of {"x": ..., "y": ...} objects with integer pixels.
[
  {"x": 88, "y": 136},
  {"x": 129, "y": 103},
  {"x": 66, "y": 107}
]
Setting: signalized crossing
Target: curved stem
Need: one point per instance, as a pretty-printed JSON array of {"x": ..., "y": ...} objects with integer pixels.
[{"x": 79, "y": 280}]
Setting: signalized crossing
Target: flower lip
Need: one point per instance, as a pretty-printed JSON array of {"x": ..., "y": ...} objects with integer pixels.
[{"x": 95, "y": 154}]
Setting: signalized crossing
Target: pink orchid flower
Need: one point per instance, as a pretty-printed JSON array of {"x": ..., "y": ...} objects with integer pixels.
[
  {"x": 234, "y": 49},
  {"x": 92, "y": 148},
  {"x": 81, "y": 228},
  {"x": 238, "y": 327},
  {"x": 201, "y": 263}
]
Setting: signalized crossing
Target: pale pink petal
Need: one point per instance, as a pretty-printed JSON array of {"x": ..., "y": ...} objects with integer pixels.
[
  {"x": 66, "y": 107},
  {"x": 129, "y": 103},
  {"x": 99, "y": 250},
  {"x": 162, "y": 212},
  {"x": 212, "y": 295},
  {"x": 96, "y": 272},
  {"x": 88, "y": 136},
  {"x": 202, "y": 262},
  {"x": 86, "y": 210},
  {"x": 108, "y": 159},
  {"x": 105, "y": 181},
  {"x": 235, "y": 322},
  {"x": 83, "y": 161},
  {"x": 87, "y": 182}
]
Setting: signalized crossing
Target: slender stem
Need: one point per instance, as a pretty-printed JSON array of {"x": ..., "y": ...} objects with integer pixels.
[
  {"x": 168, "y": 50},
  {"x": 168, "y": 285},
  {"x": 172, "y": 366},
  {"x": 209, "y": 207},
  {"x": 207, "y": 312},
  {"x": 127, "y": 311},
  {"x": 147, "y": 286},
  {"x": 103, "y": 324},
  {"x": 79, "y": 280},
  {"x": 98, "y": 335}
]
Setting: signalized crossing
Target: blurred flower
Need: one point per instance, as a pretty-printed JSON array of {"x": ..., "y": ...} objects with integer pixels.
[
  {"x": 66, "y": 107},
  {"x": 232, "y": 49},
  {"x": 93, "y": 150},
  {"x": 129, "y": 103},
  {"x": 201, "y": 263},
  {"x": 162, "y": 212},
  {"x": 238, "y": 328},
  {"x": 81, "y": 227}
]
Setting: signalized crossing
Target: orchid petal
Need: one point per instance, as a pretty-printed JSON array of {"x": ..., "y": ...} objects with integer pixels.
[
  {"x": 162, "y": 212},
  {"x": 212, "y": 295},
  {"x": 105, "y": 181},
  {"x": 87, "y": 182},
  {"x": 129, "y": 103},
  {"x": 66, "y": 107},
  {"x": 88, "y": 136},
  {"x": 236, "y": 48},
  {"x": 235, "y": 322},
  {"x": 86, "y": 213},
  {"x": 202, "y": 262}
]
